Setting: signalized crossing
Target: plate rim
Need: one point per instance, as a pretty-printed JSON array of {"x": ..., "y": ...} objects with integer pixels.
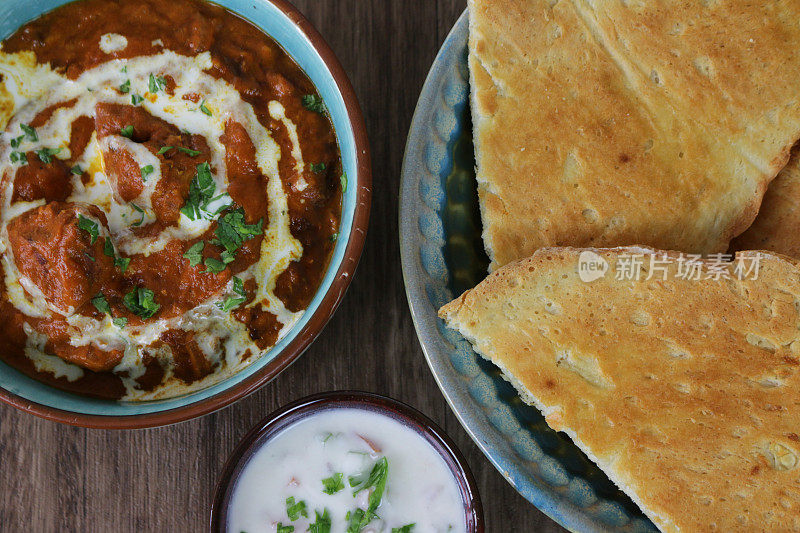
[{"x": 556, "y": 507}]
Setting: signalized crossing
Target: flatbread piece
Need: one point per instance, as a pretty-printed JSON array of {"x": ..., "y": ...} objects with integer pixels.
[
  {"x": 777, "y": 226},
  {"x": 652, "y": 122},
  {"x": 685, "y": 391}
]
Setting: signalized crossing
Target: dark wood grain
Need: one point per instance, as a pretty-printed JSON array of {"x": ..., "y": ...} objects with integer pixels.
[{"x": 58, "y": 478}]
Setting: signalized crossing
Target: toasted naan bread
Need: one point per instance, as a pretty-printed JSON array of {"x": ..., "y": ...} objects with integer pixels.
[
  {"x": 652, "y": 122},
  {"x": 685, "y": 391},
  {"x": 777, "y": 226}
]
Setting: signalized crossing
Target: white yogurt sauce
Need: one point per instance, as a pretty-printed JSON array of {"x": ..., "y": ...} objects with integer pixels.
[{"x": 420, "y": 488}]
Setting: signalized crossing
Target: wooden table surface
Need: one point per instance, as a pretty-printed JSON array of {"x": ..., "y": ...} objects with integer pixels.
[{"x": 59, "y": 478}]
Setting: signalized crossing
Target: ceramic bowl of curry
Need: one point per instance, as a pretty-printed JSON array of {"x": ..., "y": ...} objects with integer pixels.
[{"x": 184, "y": 196}]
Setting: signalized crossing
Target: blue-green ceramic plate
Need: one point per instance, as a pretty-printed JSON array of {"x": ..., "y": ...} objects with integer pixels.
[
  {"x": 302, "y": 42},
  {"x": 443, "y": 255}
]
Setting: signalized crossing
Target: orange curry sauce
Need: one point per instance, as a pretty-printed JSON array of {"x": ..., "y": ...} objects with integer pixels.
[{"x": 68, "y": 264}]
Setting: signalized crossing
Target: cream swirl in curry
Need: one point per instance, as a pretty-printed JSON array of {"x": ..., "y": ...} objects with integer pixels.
[{"x": 170, "y": 196}]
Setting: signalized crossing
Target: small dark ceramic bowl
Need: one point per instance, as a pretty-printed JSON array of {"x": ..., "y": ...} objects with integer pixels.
[{"x": 311, "y": 405}]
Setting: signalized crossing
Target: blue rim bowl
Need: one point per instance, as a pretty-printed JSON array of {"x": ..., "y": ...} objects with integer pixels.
[{"x": 281, "y": 21}]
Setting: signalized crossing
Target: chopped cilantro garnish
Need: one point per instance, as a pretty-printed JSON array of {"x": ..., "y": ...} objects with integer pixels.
[
  {"x": 295, "y": 509},
  {"x": 194, "y": 253},
  {"x": 89, "y": 226},
  {"x": 15, "y": 142},
  {"x": 377, "y": 474},
  {"x": 312, "y": 102},
  {"x": 356, "y": 521},
  {"x": 27, "y": 133},
  {"x": 18, "y": 157},
  {"x": 125, "y": 88},
  {"x": 238, "y": 286},
  {"x": 334, "y": 237},
  {"x": 322, "y": 523},
  {"x": 204, "y": 109},
  {"x": 333, "y": 484},
  {"x": 157, "y": 83},
  {"x": 375, "y": 480},
  {"x": 101, "y": 304},
  {"x": 284, "y": 529},
  {"x": 201, "y": 196},
  {"x": 119, "y": 262},
  {"x": 136, "y": 99},
  {"x": 343, "y": 179},
  {"x": 201, "y": 191},
  {"x": 193, "y": 153},
  {"x": 226, "y": 204},
  {"x": 30, "y": 133},
  {"x": 122, "y": 263},
  {"x": 232, "y": 302},
  {"x": 124, "y": 69},
  {"x": 164, "y": 150},
  {"x": 90, "y": 257},
  {"x": 405, "y": 529},
  {"x": 127, "y": 131},
  {"x": 146, "y": 171},
  {"x": 213, "y": 266},
  {"x": 77, "y": 170},
  {"x": 318, "y": 167},
  {"x": 232, "y": 230},
  {"x": 141, "y": 302},
  {"x": 46, "y": 154},
  {"x": 138, "y": 210}
]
